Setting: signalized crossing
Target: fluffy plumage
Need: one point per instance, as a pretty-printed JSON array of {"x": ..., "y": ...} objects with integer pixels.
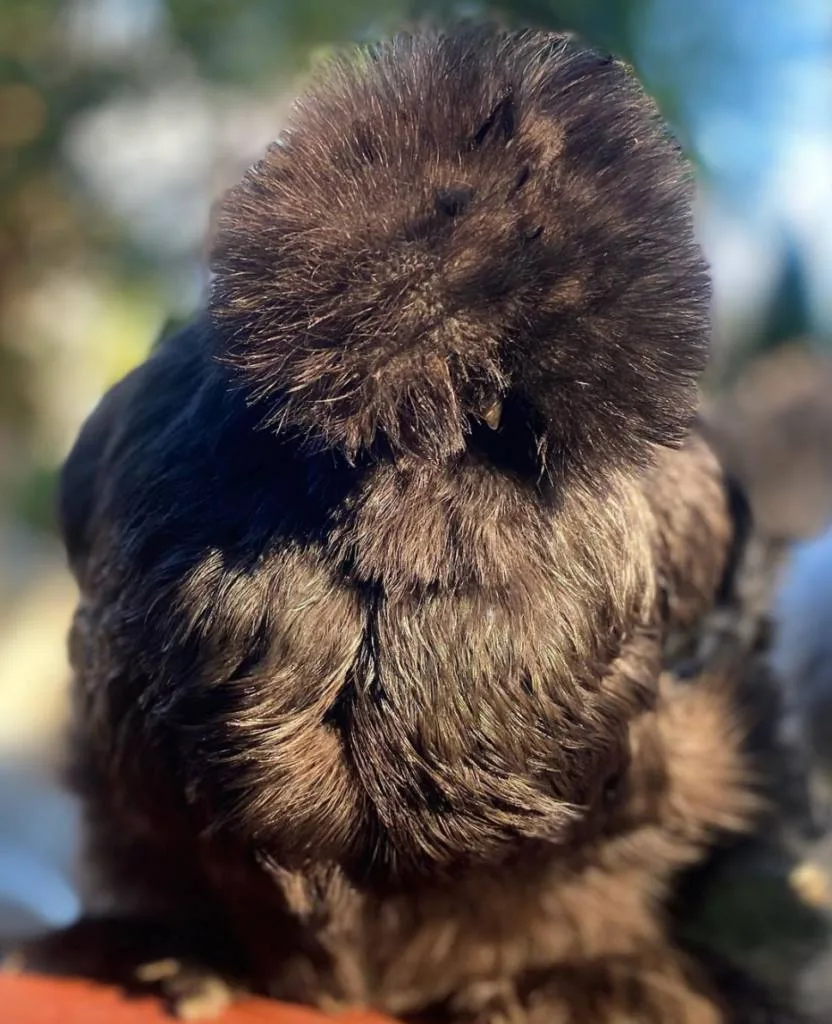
[
  {"x": 431, "y": 237},
  {"x": 377, "y": 560}
]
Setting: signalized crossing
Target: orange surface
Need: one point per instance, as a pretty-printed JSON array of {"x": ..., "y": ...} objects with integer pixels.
[{"x": 28, "y": 999}]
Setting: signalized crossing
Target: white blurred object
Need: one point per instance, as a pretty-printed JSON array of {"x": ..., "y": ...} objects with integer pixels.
[
  {"x": 109, "y": 29},
  {"x": 154, "y": 159},
  {"x": 36, "y": 893},
  {"x": 34, "y": 670},
  {"x": 38, "y": 822},
  {"x": 802, "y": 658},
  {"x": 38, "y": 838}
]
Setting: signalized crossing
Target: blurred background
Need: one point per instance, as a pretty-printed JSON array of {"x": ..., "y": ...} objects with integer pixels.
[{"x": 121, "y": 121}]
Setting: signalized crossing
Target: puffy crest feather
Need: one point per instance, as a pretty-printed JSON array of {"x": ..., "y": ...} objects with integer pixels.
[{"x": 467, "y": 229}]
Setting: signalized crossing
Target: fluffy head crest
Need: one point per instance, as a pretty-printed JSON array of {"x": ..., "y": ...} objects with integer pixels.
[{"x": 468, "y": 229}]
